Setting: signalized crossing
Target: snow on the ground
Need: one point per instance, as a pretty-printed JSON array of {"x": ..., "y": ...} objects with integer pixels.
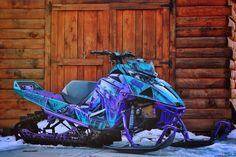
[
  {"x": 144, "y": 138},
  {"x": 10, "y": 143}
]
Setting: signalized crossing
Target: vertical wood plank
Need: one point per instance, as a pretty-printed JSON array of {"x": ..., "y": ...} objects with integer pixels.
[
  {"x": 129, "y": 30},
  {"x": 159, "y": 35},
  {"x": 149, "y": 35},
  {"x": 47, "y": 71},
  {"x": 138, "y": 33},
  {"x": 70, "y": 44},
  {"x": 61, "y": 49},
  {"x": 119, "y": 30},
  {"x": 166, "y": 42},
  {"x": 54, "y": 50},
  {"x": 90, "y": 41},
  {"x": 80, "y": 43},
  {"x": 103, "y": 41}
]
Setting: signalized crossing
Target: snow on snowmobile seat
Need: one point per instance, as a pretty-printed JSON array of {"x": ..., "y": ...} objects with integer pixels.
[{"x": 77, "y": 90}]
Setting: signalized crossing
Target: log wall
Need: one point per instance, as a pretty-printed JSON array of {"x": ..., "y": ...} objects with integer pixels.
[
  {"x": 202, "y": 61},
  {"x": 201, "y": 56}
]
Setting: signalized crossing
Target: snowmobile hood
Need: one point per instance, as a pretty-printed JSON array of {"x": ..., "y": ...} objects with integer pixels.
[{"x": 157, "y": 90}]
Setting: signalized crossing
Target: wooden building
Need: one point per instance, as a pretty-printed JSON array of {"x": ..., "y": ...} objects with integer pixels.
[{"x": 49, "y": 41}]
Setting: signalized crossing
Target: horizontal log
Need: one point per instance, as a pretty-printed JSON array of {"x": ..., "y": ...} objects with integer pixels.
[
  {"x": 21, "y": 53},
  {"x": 200, "y": 42},
  {"x": 6, "y": 104},
  {"x": 60, "y": 61},
  {"x": 106, "y": 1},
  {"x": 8, "y": 123},
  {"x": 204, "y": 93},
  {"x": 206, "y": 103},
  {"x": 190, "y": 63},
  {"x": 21, "y": 4},
  {"x": 14, "y": 113},
  {"x": 233, "y": 74},
  {"x": 203, "y": 11},
  {"x": 20, "y": 23},
  {"x": 215, "y": 21},
  {"x": 8, "y": 83},
  {"x": 200, "y": 125},
  {"x": 22, "y": 73},
  {"x": 8, "y": 94},
  {"x": 233, "y": 103},
  {"x": 22, "y": 43},
  {"x": 22, "y": 14},
  {"x": 201, "y": 3},
  {"x": 232, "y": 84},
  {"x": 21, "y": 34},
  {"x": 24, "y": 64},
  {"x": 203, "y": 31},
  {"x": 202, "y": 73},
  {"x": 203, "y": 52},
  {"x": 232, "y": 65},
  {"x": 202, "y": 83},
  {"x": 207, "y": 114},
  {"x": 233, "y": 93}
]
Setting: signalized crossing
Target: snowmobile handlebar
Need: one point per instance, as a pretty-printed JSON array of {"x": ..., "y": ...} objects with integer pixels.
[{"x": 117, "y": 56}]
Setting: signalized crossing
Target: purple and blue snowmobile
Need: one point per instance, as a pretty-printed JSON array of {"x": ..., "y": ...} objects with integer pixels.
[{"x": 130, "y": 99}]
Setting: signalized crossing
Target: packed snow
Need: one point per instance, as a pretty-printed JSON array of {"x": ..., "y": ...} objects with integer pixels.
[{"x": 223, "y": 148}]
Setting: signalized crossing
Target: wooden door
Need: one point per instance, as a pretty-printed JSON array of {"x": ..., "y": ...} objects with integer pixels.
[{"x": 77, "y": 29}]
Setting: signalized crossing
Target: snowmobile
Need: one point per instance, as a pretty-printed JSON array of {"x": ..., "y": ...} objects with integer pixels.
[{"x": 130, "y": 99}]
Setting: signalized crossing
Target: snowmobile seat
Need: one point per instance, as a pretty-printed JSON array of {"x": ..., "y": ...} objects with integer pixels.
[{"x": 78, "y": 91}]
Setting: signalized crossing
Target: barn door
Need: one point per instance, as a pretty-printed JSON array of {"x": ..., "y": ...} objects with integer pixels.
[{"x": 79, "y": 28}]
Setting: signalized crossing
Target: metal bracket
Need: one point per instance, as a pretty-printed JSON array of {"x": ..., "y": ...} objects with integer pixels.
[
  {"x": 49, "y": 6},
  {"x": 169, "y": 62}
]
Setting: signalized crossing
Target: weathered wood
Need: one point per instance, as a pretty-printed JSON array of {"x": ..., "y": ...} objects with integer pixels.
[
  {"x": 22, "y": 43},
  {"x": 7, "y": 104},
  {"x": 21, "y": 34},
  {"x": 47, "y": 47},
  {"x": 214, "y": 21},
  {"x": 202, "y": 63},
  {"x": 206, "y": 103},
  {"x": 204, "y": 52},
  {"x": 23, "y": 63},
  {"x": 21, "y": 53},
  {"x": 203, "y": 31},
  {"x": 8, "y": 94},
  {"x": 128, "y": 33},
  {"x": 22, "y": 23},
  {"x": 22, "y": 73},
  {"x": 232, "y": 84},
  {"x": 14, "y": 113},
  {"x": 201, "y": 42},
  {"x": 22, "y": 14},
  {"x": 201, "y": 3},
  {"x": 149, "y": 34},
  {"x": 207, "y": 113},
  {"x": 202, "y": 73},
  {"x": 203, "y": 11},
  {"x": 233, "y": 93},
  {"x": 203, "y": 125},
  {"x": 204, "y": 93},
  {"x": 8, "y": 123},
  {"x": 233, "y": 74},
  {"x": 21, "y": 4},
  {"x": 202, "y": 83},
  {"x": 108, "y": 1},
  {"x": 8, "y": 83}
]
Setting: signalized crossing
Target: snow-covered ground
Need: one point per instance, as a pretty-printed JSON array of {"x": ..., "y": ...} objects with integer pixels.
[{"x": 9, "y": 147}]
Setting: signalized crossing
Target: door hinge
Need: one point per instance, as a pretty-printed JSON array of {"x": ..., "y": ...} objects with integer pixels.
[
  {"x": 168, "y": 62},
  {"x": 50, "y": 7}
]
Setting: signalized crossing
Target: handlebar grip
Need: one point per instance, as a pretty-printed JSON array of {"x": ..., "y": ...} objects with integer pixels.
[{"x": 105, "y": 52}]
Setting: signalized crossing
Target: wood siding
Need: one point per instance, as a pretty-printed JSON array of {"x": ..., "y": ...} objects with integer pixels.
[
  {"x": 47, "y": 44},
  {"x": 202, "y": 61}
]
